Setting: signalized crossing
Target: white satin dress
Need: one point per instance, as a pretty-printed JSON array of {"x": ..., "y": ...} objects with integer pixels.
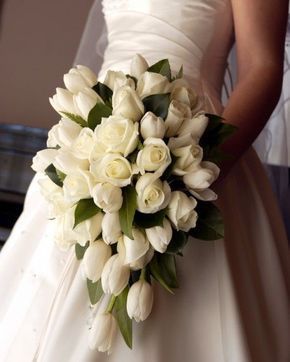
[{"x": 232, "y": 302}]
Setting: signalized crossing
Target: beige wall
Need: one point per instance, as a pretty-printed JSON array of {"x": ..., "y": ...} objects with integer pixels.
[{"x": 38, "y": 42}]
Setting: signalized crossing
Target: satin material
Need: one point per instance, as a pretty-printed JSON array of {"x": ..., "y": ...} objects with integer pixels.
[{"x": 231, "y": 305}]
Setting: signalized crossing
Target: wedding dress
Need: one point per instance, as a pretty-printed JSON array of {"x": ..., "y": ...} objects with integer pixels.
[{"x": 232, "y": 303}]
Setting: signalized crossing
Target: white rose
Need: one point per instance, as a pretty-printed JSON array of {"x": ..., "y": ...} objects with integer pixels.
[
  {"x": 111, "y": 228},
  {"x": 76, "y": 185},
  {"x": 177, "y": 113},
  {"x": 181, "y": 211},
  {"x": 140, "y": 300},
  {"x": 78, "y": 78},
  {"x": 115, "y": 275},
  {"x": 85, "y": 100},
  {"x": 152, "y": 194},
  {"x": 188, "y": 158},
  {"x": 95, "y": 258},
  {"x": 84, "y": 144},
  {"x": 107, "y": 197},
  {"x": 160, "y": 236},
  {"x": 62, "y": 101},
  {"x": 43, "y": 159},
  {"x": 152, "y": 83},
  {"x": 185, "y": 95},
  {"x": 67, "y": 163},
  {"x": 152, "y": 126},
  {"x": 138, "y": 66},
  {"x": 103, "y": 332},
  {"x": 155, "y": 156},
  {"x": 64, "y": 237},
  {"x": 199, "y": 181},
  {"x": 115, "y": 80},
  {"x": 194, "y": 126},
  {"x": 126, "y": 103},
  {"x": 117, "y": 134},
  {"x": 135, "y": 248},
  {"x": 63, "y": 133},
  {"x": 89, "y": 229},
  {"x": 112, "y": 168}
]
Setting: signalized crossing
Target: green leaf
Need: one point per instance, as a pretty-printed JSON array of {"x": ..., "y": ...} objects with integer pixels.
[
  {"x": 74, "y": 117},
  {"x": 177, "y": 243},
  {"x": 163, "y": 269},
  {"x": 149, "y": 220},
  {"x": 121, "y": 315},
  {"x": 104, "y": 92},
  {"x": 86, "y": 208},
  {"x": 157, "y": 104},
  {"x": 95, "y": 116},
  {"x": 210, "y": 224},
  {"x": 161, "y": 67},
  {"x": 80, "y": 250},
  {"x": 95, "y": 291},
  {"x": 60, "y": 174},
  {"x": 127, "y": 211},
  {"x": 52, "y": 173}
]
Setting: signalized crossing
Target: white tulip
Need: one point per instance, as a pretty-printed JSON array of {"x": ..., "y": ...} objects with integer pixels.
[
  {"x": 135, "y": 248},
  {"x": 64, "y": 237},
  {"x": 111, "y": 228},
  {"x": 152, "y": 126},
  {"x": 152, "y": 83},
  {"x": 85, "y": 100},
  {"x": 140, "y": 300},
  {"x": 63, "y": 133},
  {"x": 188, "y": 158},
  {"x": 76, "y": 185},
  {"x": 199, "y": 181},
  {"x": 181, "y": 211},
  {"x": 107, "y": 197},
  {"x": 62, "y": 101},
  {"x": 89, "y": 229},
  {"x": 78, "y": 78},
  {"x": 115, "y": 275},
  {"x": 138, "y": 66},
  {"x": 115, "y": 80},
  {"x": 177, "y": 113},
  {"x": 95, "y": 258},
  {"x": 127, "y": 103},
  {"x": 152, "y": 194},
  {"x": 180, "y": 141},
  {"x": 143, "y": 260},
  {"x": 43, "y": 159},
  {"x": 103, "y": 332},
  {"x": 67, "y": 163},
  {"x": 160, "y": 236},
  {"x": 155, "y": 156},
  {"x": 84, "y": 144},
  {"x": 194, "y": 126},
  {"x": 185, "y": 95},
  {"x": 117, "y": 134},
  {"x": 112, "y": 168}
]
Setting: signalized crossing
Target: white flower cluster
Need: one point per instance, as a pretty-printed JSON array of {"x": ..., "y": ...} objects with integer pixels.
[{"x": 132, "y": 146}]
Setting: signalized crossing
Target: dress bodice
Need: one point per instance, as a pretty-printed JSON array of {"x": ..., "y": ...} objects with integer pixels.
[{"x": 180, "y": 30}]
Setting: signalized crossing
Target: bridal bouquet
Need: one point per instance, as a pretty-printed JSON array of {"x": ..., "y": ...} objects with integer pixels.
[{"x": 127, "y": 174}]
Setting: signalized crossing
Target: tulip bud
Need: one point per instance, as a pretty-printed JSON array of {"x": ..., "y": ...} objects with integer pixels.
[
  {"x": 107, "y": 197},
  {"x": 127, "y": 103},
  {"x": 111, "y": 228},
  {"x": 115, "y": 275},
  {"x": 78, "y": 78},
  {"x": 160, "y": 236},
  {"x": 152, "y": 126},
  {"x": 95, "y": 258},
  {"x": 43, "y": 159},
  {"x": 64, "y": 133},
  {"x": 140, "y": 300},
  {"x": 103, "y": 332},
  {"x": 194, "y": 126},
  {"x": 138, "y": 66},
  {"x": 135, "y": 248},
  {"x": 62, "y": 101},
  {"x": 85, "y": 100}
]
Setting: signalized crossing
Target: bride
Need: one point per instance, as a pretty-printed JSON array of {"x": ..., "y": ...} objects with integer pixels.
[{"x": 232, "y": 301}]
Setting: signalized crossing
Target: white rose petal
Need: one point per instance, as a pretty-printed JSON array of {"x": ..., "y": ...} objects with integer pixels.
[
  {"x": 127, "y": 103},
  {"x": 188, "y": 158},
  {"x": 62, "y": 101},
  {"x": 194, "y": 126},
  {"x": 138, "y": 66},
  {"x": 152, "y": 194},
  {"x": 152, "y": 126},
  {"x": 76, "y": 185},
  {"x": 111, "y": 228},
  {"x": 152, "y": 83},
  {"x": 160, "y": 236},
  {"x": 107, "y": 197},
  {"x": 84, "y": 144},
  {"x": 85, "y": 100},
  {"x": 78, "y": 78},
  {"x": 117, "y": 134},
  {"x": 67, "y": 163},
  {"x": 115, "y": 80},
  {"x": 63, "y": 133},
  {"x": 181, "y": 211},
  {"x": 181, "y": 141},
  {"x": 177, "y": 113},
  {"x": 43, "y": 159},
  {"x": 185, "y": 95},
  {"x": 140, "y": 300},
  {"x": 89, "y": 229}
]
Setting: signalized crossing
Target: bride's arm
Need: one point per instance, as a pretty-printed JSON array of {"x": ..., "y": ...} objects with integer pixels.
[{"x": 260, "y": 34}]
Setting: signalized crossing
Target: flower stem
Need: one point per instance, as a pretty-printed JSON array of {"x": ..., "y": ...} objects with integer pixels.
[
  {"x": 111, "y": 304},
  {"x": 143, "y": 274}
]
